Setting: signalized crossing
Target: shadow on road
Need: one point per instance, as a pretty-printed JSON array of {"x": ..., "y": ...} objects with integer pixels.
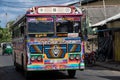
[
  {"x": 111, "y": 77},
  {"x": 95, "y": 67},
  {"x": 9, "y": 73},
  {"x": 49, "y": 75}
]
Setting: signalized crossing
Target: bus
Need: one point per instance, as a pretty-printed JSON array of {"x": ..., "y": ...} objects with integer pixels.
[{"x": 48, "y": 38}]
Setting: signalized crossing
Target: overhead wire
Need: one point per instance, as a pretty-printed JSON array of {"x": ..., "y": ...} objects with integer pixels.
[
  {"x": 19, "y": 4},
  {"x": 15, "y": 6},
  {"x": 21, "y": 1}
]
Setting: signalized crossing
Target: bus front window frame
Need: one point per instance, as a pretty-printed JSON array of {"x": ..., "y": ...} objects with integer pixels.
[
  {"x": 73, "y": 26},
  {"x": 37, "y": 23}
]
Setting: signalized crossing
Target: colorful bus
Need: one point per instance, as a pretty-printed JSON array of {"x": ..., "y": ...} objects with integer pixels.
[{"x": 49, "y": 38}]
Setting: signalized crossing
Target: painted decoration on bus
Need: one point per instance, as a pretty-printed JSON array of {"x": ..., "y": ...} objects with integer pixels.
[
  {"x": 74, "y": 47},
  {"x": 68, "y": 18},
  {"x": 35, "y": 48},
  {"x": 55, "y": 51},
  {"x": 72, "y": 34},
  {"x": 54, "y": 10},
  {"x": 54, "y": 41},
  {"x": 75, "y": 54},
  {"x": 54, "y": 67},
  {"x": 59, "y": 61},
  {"x": 40, "y": 19}
]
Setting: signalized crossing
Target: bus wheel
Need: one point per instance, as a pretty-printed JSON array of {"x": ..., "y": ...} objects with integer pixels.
[
  {"x": 16, "y": 68},
  {"x": 71, "y": 73}
]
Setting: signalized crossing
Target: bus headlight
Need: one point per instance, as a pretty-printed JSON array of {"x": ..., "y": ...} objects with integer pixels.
[
  {"x": 77, "y": 57},
  {"x": 39, "y": 58},
  {"x": 32, "y": 58},
  {"x": 71, "y": 57}
]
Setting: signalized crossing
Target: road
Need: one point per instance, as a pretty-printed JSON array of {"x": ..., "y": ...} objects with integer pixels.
[{"x": 7, "y": 72}]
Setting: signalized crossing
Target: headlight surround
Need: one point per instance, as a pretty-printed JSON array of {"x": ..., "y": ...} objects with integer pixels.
[
  {"x": 32, "y": 58},
  {"x": 71, "y": 57},
  {"x": 39, "y": 58},
  {"x": 77, "y": 57}
]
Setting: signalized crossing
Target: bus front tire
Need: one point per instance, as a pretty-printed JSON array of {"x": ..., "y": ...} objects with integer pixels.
[
  {"x": 16, "y": 67},
  {"x": 71, "y": 73}
]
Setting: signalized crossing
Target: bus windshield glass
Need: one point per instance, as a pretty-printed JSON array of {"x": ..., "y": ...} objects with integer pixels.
[
  {"x": 68, "y": 24},
  {"x": 39, "y": 25}
]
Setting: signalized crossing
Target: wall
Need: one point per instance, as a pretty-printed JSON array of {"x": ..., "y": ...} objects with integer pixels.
[
  {"x": 117, "y": 46},
  {"x": 100, "y": 2},
  {"x": 116, "y": 36},
  {"x": 114, "y": 24}
]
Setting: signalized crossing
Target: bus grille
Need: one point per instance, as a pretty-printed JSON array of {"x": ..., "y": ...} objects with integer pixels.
[{"x": 55, "y": 50}]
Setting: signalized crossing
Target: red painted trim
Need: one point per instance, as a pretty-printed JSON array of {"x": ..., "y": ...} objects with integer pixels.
[
  {"x": 46, "y": 14},
  {"x": 53, "y": 15}
]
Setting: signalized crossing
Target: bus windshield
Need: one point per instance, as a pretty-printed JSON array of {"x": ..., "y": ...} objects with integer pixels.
[
  {"x": 63, "y": 25},
  {"x": 68, "y": 26},
  {"x": 40, "y": 26}
]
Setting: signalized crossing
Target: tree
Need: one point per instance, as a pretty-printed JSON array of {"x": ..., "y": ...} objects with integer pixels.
[
  {"x": 1, "y": 32},
  {"x": 9, "y": 25},
  {"x": 5, "y": 33}
]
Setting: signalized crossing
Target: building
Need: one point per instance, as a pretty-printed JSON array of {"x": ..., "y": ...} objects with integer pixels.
[
  {"x": 109, "y": 30},
  {"x": 98, "y": 15}
]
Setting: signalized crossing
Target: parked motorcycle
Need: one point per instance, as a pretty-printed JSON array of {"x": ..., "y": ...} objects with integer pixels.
[{"x": 90, "y": 58}]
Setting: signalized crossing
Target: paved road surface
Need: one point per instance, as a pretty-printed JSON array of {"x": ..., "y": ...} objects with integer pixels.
[{"x": 7, "y": 72}]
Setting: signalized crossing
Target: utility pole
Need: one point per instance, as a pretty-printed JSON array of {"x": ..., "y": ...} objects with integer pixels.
[
  {"x": 6, "y": 18},
  {"x": 104, "y": 9},
  {"x": 80, "y": 2}
]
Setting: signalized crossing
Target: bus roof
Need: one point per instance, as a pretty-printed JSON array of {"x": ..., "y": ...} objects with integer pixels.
[
  {"x": 54, "y": 10},
  {"x": 50, "y": 10}
]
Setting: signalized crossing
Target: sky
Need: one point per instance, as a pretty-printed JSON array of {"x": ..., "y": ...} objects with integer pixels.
[{"x": 11, "y": 9}]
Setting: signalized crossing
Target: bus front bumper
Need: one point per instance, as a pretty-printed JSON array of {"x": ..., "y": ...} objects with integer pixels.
[{"x": 56, "y": 67}]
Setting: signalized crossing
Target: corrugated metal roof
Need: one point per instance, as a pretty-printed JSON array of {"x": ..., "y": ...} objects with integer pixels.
[
  {"x": 96, "y": 14},
  {"x": 115, "y": 17},
  {"x": 77, "y": 2},
  {"x": 99, "y": 23}
]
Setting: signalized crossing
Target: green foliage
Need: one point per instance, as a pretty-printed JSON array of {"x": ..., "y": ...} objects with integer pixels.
[
  {"x": 5, "y": 35},
  {"x": 9, "y": 25},
  {"x": 1, "y": 32}
]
